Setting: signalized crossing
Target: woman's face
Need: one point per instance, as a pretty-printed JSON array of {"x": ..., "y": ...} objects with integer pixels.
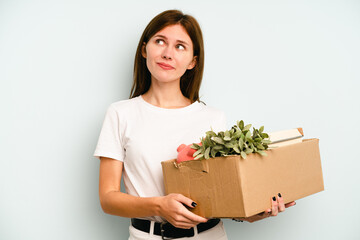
[{"x": 169, "y": 53}]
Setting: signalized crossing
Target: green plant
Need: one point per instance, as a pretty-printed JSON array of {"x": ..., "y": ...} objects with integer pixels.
[{"x": 239, "y": 140}]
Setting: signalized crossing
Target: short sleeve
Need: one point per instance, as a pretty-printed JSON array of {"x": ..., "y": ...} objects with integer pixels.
[{"x": 110, "y": 140}]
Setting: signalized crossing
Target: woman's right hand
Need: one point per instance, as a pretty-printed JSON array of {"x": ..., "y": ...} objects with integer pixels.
[{"x": 172, "y": 208}]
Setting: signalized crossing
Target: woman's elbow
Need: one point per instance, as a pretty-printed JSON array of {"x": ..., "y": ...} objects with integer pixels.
[{"x": 104, "y": 203}]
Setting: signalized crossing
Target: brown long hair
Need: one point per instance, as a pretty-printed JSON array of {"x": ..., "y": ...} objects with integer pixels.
[{"x": 191, "y": 80}]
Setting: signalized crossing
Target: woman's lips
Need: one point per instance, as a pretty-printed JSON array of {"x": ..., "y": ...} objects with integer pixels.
[{"x": 165, "y": 66}]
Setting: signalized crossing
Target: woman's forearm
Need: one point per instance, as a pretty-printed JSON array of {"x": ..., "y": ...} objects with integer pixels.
[{"x": 125, "y": 205}]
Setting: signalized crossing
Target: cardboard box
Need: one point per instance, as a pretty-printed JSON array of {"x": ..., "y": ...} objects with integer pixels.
[{"x": 227, "y": 187}]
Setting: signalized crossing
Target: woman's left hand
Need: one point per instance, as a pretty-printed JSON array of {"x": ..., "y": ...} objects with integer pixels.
[{"x": 277, "y": 206}]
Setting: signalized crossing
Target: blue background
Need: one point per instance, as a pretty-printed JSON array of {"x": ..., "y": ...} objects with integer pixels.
[{"x": 281, "y": 64}]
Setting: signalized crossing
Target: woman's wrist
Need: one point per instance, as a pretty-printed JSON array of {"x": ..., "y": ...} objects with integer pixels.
[{"x": 157, "y": 206}]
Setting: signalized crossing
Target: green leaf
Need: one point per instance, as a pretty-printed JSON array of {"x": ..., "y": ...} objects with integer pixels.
[
  {"x": 248, "y": 135},
  {"x": 241, "y": 125},
  {"x": 242, "y": 136},
  {"x": 250, "y": 140},
  {"x": 218, "y": 147},
  {"x": 211, "y": 133},
  {"x": 236, "y": 149},
  {"x": 199, "y": 156},
  {"x": 218, "y": 140},
  {"x": 213, "y": 152},
  {"x": 248, "y": 150},
  {"x": 259, "y": 146},
  {"x": 243, "y": 155},
  {"x": 207, "y": 152},
  {"x": 203, "y": 142},
  {"x": 197, "y": 152},
  {"x": 227, "y": 136},
  {"x": 237, "y": 134},
  {"x": 261, "y": 129},
  {"x": 195, "y": 146},
  {"x": 262, "y": 153},
  {"x": 241, "y": 143},
  {"x": 264, "y": 135},
  {"x": 266, "y": 141},
  {"x": 230, "y": 145},
  {"x": 247, "y": 127},
  {"x": 207, "y": 142}
]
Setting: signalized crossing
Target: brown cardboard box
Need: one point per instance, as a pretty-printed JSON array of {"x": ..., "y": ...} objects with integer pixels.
[{"x": 227, "y": 187}]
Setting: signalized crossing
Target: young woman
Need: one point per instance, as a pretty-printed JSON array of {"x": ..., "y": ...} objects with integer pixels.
[{"x": 163, "y": 112}]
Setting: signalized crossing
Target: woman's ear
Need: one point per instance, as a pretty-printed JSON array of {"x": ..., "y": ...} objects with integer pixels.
[
  {"x": 192, "y": 64},
  {"x": 143, "y": 50}
]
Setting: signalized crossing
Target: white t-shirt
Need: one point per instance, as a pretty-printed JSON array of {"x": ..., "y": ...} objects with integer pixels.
[{"x": 142, "y": 135}]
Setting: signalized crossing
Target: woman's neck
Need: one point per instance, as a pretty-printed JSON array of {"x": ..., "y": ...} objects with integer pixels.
[{"x": 166, "y": 97}]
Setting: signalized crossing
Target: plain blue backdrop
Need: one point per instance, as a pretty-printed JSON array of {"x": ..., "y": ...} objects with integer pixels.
[{"x": 281, "y": 64}]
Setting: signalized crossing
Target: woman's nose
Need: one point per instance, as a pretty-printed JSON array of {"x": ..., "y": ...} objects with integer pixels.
[{"x": 167, "y": 53}]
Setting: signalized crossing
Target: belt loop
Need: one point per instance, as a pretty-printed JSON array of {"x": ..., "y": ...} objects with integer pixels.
[
  {"x": 162, "y": 230},
  {"x": 152, "y": 226},
  {"x": 195, "y": 230}
]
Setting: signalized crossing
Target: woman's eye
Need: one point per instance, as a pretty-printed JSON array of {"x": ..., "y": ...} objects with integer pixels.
[
  {"x": 181, "y": 47},
  {"x": 159, "y": 41}
]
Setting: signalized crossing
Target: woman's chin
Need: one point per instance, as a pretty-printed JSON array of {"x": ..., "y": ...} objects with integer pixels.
[{"x": 165, "y": 80}]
